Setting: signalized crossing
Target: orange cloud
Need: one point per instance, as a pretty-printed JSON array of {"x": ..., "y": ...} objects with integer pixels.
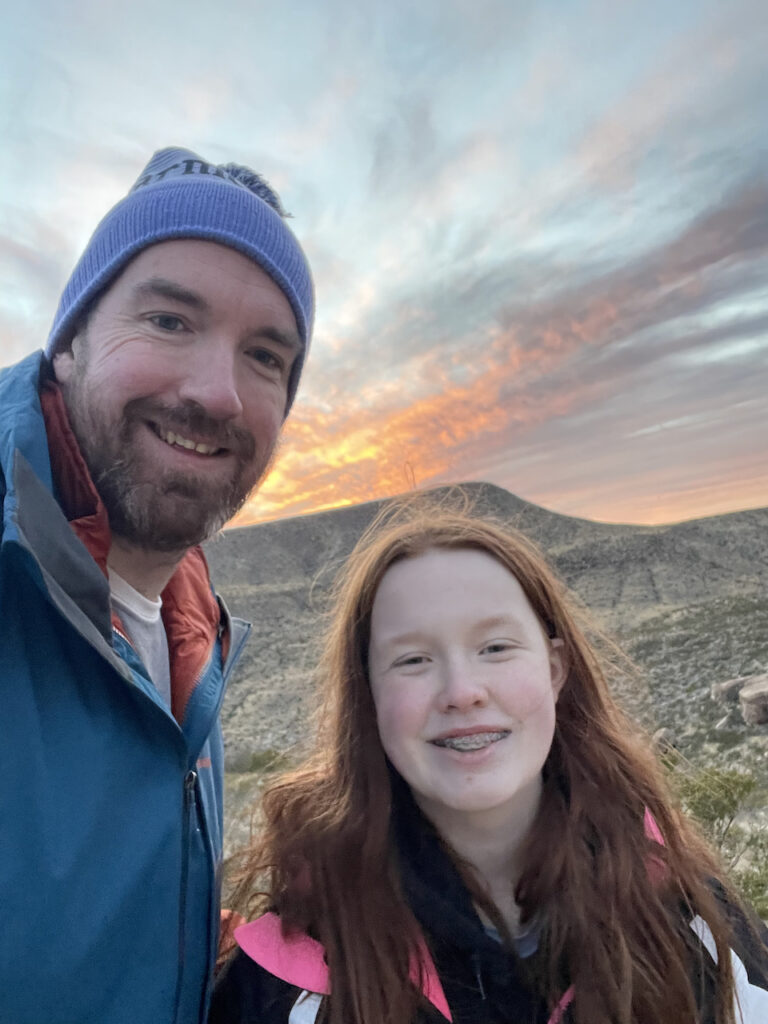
[
  {"x": 334, "y": 455},
  {"x": 651, "y": 502},
  {"x": 329, "y": 460},
  {"x": 529, "y": 400}
]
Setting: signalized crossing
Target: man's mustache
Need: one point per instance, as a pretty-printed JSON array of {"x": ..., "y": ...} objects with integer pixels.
[{"x": 192, "y": 418}]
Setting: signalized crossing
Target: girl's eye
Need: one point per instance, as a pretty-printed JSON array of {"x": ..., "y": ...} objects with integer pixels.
[
  {"x": 497, "y": 647},
  {"x": 167, "y": 322},
  {"x": 410, "y": 660}
]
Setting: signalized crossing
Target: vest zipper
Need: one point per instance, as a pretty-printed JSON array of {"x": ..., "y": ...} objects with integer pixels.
[
  {"x": 478, "y": 973},
  {"x": 190, "y": 783}
]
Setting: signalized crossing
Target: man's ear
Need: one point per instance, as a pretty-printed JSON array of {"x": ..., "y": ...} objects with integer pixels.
[
  {"x": 63, "y": 366},
  {"x": 65, "y": 360},
  {"x": 558, "y": 666}
]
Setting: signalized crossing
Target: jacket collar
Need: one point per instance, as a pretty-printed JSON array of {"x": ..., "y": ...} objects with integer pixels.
[
  {"x": 21, "y": 419},
  {"x": 300, "y": 960},
  {"x": 191, "y": 612}
]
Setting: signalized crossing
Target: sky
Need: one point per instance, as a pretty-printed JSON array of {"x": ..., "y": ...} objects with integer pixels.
[{"x": 538, "y": 231}]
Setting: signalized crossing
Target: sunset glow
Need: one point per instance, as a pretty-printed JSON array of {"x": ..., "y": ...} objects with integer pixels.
[{"x": 539, "y": 232}]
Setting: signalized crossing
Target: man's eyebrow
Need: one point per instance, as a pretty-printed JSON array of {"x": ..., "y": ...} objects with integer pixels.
[
  {"x": 163, "y": 288},
  {"x": 286, "y": 339}
]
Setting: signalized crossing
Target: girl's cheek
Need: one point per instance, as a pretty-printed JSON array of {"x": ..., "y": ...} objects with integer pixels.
[
  {"x": 395, "y": 714},
  {"x": 403, "y": 716},
  {"x": 529, "y": 696}
]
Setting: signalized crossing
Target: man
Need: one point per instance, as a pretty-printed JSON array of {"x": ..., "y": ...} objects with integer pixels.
[{"x": 172, "y": 363}]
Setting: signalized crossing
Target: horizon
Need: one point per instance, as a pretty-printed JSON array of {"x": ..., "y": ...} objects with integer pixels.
[{"x": 237, "y": 524}]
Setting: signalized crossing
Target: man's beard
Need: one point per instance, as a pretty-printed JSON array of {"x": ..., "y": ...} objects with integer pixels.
[{"x": 160, "y": 511}]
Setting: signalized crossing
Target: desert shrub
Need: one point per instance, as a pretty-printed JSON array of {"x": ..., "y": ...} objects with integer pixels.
[
  {"x": 726, "y": 804},
  {"x": 259, "y": 761}
]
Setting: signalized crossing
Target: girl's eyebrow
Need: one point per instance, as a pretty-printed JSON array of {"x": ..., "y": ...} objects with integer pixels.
[
  {"x": 481, "y": 626},
  {"x": 400, "y": 639},
  {"x": 495, "y": 621}
]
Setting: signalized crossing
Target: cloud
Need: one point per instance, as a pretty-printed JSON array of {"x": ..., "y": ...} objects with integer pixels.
[
  {"x": 695, "y": 98},
  {"x": 548, "y": 383},
  {"x": 538, "y": 236}
]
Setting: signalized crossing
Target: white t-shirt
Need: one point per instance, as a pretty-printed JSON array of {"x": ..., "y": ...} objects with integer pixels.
[{"x": 141, "y": 618}]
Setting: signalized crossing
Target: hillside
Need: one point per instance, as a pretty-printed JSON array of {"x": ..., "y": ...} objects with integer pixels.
[{"x": 689, "y": 602}]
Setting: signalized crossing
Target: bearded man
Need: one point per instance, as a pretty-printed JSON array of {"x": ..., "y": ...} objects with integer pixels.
[{"x": 172, "y": 363}]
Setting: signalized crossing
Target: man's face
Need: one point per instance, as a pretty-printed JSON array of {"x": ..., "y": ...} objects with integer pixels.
[{"x": 176, "y": 390}]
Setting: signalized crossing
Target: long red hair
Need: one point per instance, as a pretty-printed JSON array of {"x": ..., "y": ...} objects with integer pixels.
[{"x": 609, "y": 897}]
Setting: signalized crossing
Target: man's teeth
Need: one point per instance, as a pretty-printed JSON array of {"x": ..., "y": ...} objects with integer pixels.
[
  {"x": 183, "y": 442},
  {"x": 475, "y": 741}
]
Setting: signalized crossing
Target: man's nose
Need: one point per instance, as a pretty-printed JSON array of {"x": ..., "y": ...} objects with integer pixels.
[
  {"x": 462, "y": 686},
  {"x": 210, "y": 380}
]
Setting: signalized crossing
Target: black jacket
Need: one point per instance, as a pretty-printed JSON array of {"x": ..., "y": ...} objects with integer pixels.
[{"x": 482, "y": 981}]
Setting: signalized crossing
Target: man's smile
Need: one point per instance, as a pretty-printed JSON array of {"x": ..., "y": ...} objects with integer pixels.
[{"x": 178, "y": 441}]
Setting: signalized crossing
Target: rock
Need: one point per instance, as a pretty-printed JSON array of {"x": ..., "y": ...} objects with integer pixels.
[
  {"x": 728, "y": 690},
  {"x": 753, "y": 699}
]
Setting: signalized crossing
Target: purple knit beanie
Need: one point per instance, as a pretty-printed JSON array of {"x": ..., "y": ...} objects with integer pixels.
[{"x": 179, "y": 195}]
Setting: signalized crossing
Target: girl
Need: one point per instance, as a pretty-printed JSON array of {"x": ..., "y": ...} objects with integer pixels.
[{"x": 477, "y": 836}]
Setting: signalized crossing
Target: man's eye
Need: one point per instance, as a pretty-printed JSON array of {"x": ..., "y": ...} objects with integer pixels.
[
  {"x": 167, "y": 322},
  {"x": 266, "y": 358}
]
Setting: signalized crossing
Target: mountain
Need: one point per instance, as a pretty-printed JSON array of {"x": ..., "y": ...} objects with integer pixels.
[{"x": 688, "y": 602}]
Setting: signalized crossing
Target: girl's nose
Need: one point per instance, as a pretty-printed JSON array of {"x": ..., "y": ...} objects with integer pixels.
[{"x": 462, "y": 687}]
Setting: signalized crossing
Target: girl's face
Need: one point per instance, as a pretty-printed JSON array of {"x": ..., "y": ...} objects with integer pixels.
[{"x": 464, "y": 682}]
